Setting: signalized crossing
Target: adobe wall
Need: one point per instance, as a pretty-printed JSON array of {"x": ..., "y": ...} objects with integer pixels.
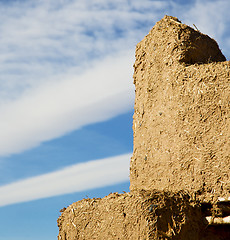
[
  {"x": 181, "y": 146},
  {"x": 132, "y": 216},
  {"x": 181, "y": 122}
]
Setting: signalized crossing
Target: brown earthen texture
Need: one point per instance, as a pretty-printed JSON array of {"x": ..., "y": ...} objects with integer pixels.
[
  {"x": 181, "y": 145},
  {"x": 138, "y": 215},
  {"x": 181, "y": 122}
]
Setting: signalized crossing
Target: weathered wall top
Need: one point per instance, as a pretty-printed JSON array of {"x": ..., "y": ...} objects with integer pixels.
[
  {"x": 181, "y": 122},
  {"x": 171, "y": 41}
]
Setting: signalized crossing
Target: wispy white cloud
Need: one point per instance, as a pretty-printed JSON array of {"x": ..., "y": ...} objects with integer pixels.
[
  {"x": 54, "y": 109},
  {"x": 65, "y": 64},
  {"x": 76, "y": 178}
]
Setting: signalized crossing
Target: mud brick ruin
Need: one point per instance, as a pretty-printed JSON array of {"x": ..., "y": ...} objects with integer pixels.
[{"x": 179, "y": 172}]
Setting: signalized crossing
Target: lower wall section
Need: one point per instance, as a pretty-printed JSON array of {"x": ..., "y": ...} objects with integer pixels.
[{"x": 135, "y": 215}]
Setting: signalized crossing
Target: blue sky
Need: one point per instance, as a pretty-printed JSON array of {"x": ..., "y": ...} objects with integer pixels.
[{"x": 66, "y": 100}]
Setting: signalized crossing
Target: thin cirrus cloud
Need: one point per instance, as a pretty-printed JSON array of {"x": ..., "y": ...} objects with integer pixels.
[
  {"x": 52, "y": 109},
  {"x": 76, "y": 178}
]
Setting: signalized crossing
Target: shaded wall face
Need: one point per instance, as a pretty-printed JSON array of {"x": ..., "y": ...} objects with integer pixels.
[{"x": 181, "y": 122}]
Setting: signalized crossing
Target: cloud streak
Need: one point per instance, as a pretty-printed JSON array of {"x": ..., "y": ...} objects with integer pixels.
[
  {"x": 76, "y": 178},
  {"x": 54, "y": 109}
]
